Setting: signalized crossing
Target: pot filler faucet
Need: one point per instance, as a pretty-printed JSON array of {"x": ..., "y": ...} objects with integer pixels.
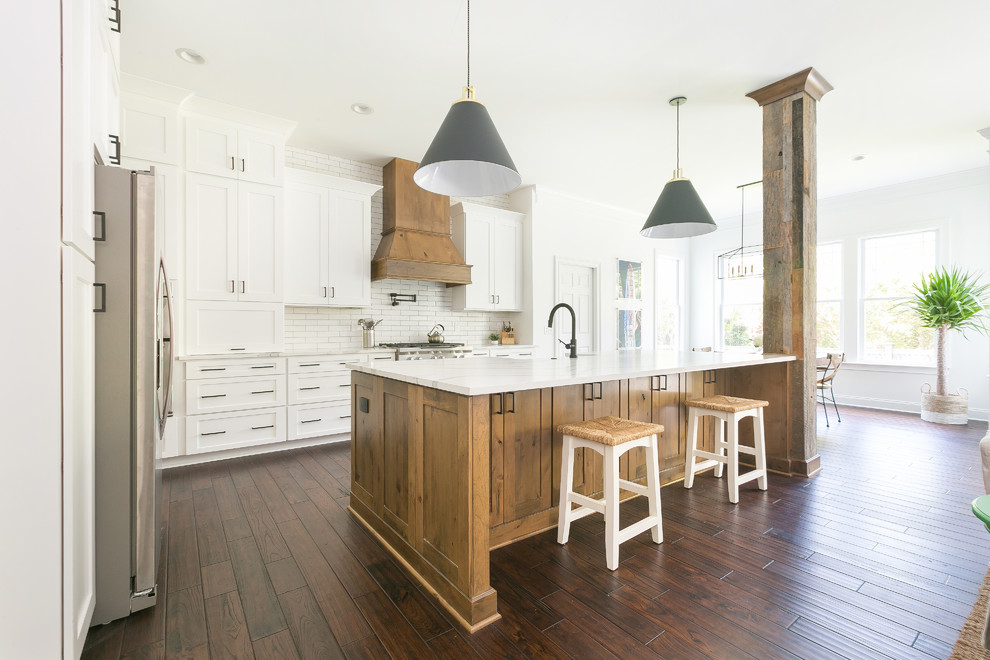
[{"x": 573, "y": 344}]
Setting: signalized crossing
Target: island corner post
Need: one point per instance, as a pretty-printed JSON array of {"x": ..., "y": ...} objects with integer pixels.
[{"x": 790, "y": 209}]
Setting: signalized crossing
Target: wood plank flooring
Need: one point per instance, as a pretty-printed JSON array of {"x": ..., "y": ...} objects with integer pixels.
[{"x": 878, "y": 556}]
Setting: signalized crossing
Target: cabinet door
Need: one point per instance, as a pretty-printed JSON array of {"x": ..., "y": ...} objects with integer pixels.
[
  {"x": 77, "y": 157},
  {"x": 78, "y": 447},
  {"x": 528, "y": 459},
  {"x": 211, "y": 238},
  {"x": 506, "y": 266},
  {"x": 478, "y": 253},
  {"x": 211, "y": 147},
  {"x": 260, "y": 157},
  {"x": 259, "y": 243},
  {"x": 149, "y": 129},
  {"x": 307, "y": 244},
  {"x": 350, "y": 249}
]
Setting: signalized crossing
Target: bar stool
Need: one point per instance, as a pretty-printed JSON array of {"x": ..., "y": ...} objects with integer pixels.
[
  {"x": 729, "y": 410},
  {"x": 611, "y": 437}
]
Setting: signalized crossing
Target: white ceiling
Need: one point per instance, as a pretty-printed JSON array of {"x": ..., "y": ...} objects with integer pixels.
[{"x": 578, "y": 89}]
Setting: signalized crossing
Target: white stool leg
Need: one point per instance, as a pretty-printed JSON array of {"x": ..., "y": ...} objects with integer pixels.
[
  {"x": 693, "y": 443},
  {"x": 653, "y": 486},
  {"x": 611, "y": 465},
  {"x": 733, "y": 457},
  {"x": 759, "y": 437},
  {"x": 719, "y": 443},
  {"x": 566, "y": 484}
]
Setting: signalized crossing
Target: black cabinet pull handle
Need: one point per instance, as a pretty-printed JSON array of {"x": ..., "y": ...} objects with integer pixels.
[
  {"x": 264, "y": 366},
  {"x": 345, "y": 385},
  {"x": 103, "y": 226},
  {"x": 212, "y": 396},
  {"x": 513, "y": 395},
  {"x": 310, "y": 364},
  {"x": 599, "y": 390},
  {"x": 115, "y": 19},
  {"x": 501, "y": 403},
  {"x": 304, "y": 389},
  {"x": 231, "y": 162},
  {"x": 589, "y": 397},
  {"x": 214, "y": 433},
  {"x": 345, "y": 416},
  {"x": 214, "y": 369},
  {"x": 310, "y": 421},
  {"x": 258, "y": 428},
  {"x": 115, "y": 156},
  {"x": 102, "y": 286},
  {"x": 242, "y": 165},
  {"x": 264, "y": 392},
  {"x": 238, "y": 349},
  {"x": 387, "y": 357}
]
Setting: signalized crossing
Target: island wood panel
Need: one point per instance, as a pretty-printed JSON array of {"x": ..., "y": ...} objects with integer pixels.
[
  {"x": 768, "y": 383},
  {"x": 657, "y": 399},
  {"x": 400, "y": 406},
  {"x": 528, "y": 452},
  {"x": 367, "y": 442}
]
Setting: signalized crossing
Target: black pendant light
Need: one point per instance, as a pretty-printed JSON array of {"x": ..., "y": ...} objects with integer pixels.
[
  {"x": 467, "y": 157},
  {"x": 679, "y": 212}
]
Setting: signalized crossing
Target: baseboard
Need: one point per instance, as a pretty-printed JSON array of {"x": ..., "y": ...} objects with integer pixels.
[
  {"x": 976, "y": 414},
  {"x": 194, "y": 459}
]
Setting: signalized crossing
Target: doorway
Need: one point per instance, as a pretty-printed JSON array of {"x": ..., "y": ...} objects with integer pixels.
[{"x": 576, "y": 283}]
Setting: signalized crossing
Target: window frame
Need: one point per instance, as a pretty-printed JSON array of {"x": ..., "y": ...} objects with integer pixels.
[
  {"x": 841, "y": 348},
  {"x": 720, "y": 317},
  {"x": 679, "y": 306}
]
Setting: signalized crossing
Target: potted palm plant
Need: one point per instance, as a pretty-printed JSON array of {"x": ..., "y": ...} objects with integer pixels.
[{"x": 948, "y": 299}]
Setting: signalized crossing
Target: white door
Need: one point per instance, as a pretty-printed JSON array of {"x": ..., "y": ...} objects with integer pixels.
[
  {"x": 260, "y": 157},
  {"x": 577, "y": 285},
  {"x": 507, "y": 264},
  {"x": 478, "y": 253},
  {"x": 307, "y": 248},
  {"x": 259, "y": 243},
  {"x": 211, "y": 147},
  {"x": 211, "y": 238},
  {"x": 350, "y": 249},
  {"x": 78, "y": 448}
]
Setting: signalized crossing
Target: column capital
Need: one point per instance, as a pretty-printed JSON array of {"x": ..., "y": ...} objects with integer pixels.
[{"x": 809, "y": 81}]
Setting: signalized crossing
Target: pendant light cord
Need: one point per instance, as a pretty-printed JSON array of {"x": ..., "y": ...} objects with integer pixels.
[
  {"x": 677, "y": 139},
  {"x": 469, "y": 43},
  {"x": 742, "y": 217}
]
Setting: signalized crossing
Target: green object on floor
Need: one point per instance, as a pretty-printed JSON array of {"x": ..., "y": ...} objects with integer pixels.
[{"x": 981, "y": 509}]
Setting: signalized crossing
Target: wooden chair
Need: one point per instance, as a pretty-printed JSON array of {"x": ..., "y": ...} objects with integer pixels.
[{"x": 827, "y": 369}]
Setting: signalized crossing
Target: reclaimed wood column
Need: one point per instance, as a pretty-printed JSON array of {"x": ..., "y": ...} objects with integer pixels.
[{"x": 790, "y": 206}]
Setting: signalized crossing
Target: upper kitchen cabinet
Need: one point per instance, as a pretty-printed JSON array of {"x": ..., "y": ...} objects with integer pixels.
[
  {"x": 233, "y": 240},
  {"x": 149, "y": 128},
  {"x": 327, "y": 240},
  {"x": 491, "y": 240},
  {"x": 105, "y": 79},
  {"x": 227, "y": 149}
]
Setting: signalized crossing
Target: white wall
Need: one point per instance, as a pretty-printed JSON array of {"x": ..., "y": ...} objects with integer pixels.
[
  {"x": 30, "y": 196},
  {"x": 954, "y": 203},
  {"x": 565, "y": 226}
]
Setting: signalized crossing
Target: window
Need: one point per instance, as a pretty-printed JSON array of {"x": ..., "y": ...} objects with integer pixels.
[
  {"x": 742, "y": 314},
  {"x": 668, "y": 307},
  {"x": 828, "y": 321},
  {"x": 890, "y": 265}
]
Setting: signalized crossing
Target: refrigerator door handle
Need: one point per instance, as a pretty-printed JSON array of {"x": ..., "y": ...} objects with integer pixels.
[{"x": 167, "y": 407}]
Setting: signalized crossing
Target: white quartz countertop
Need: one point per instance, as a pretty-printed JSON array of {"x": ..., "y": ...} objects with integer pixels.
[{"x": 490, "y": 375}]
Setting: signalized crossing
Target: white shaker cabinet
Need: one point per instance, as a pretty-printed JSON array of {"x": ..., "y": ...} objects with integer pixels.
[
  {"x": 327, "y": 240},
  {"x": 491, "y": 240},
  {"x": 149, "y": 129},
  {"x": 105, "y": 71},
  {"x": 229, "y": 150},
  {"x": 233, "y": 240}
]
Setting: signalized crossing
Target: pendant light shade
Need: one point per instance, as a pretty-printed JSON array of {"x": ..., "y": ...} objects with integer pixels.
[
  {"x": 679, "y": 211},
  {"x": 467, "y": 157}
]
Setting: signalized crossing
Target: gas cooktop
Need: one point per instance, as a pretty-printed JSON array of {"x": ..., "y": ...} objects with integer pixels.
[{"x": 424, "y": 344}]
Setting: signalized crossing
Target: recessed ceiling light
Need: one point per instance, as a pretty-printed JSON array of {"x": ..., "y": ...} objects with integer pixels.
[
  {"x": 189, "y": 55},
  {"x": 859, "y": 157},
  {"x": 362, "y": 108}
]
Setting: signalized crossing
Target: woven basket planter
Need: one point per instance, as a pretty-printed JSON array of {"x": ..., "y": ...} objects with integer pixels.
[{"x": 944, "y": 408}]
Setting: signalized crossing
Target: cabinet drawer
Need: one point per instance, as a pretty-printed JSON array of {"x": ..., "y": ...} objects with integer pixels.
[
  {"x": 309, "y": 421},
  {"x": 233, "y": 368},
  {"x": 219, "y": 394},
  {"x": 301, "y": 365},
  {"x": 206, "y": 433},
  {"x": 310, "y": 388}
]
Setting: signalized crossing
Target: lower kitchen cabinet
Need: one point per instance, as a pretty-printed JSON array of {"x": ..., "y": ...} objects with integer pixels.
[
  {"x": 522, "y": 454},
  {"x": 230, "y": 430},
  {"x": 226, "y": 394},
  {"x": 314, "y": 420}
]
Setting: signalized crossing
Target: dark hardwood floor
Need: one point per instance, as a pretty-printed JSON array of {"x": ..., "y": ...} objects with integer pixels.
[{"x": 877, "y": 556}]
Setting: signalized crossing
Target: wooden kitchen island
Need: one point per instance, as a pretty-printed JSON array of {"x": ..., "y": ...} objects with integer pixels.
[{"x": 452, "y": 458}]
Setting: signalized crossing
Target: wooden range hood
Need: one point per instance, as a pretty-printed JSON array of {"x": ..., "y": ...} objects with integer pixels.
[{"x": 416, "y": 242}]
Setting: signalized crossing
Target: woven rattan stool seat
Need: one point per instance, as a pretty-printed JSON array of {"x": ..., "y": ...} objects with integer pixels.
[
  {"x": 729, "y": 404},
  {"x": 610, "y": 430}
]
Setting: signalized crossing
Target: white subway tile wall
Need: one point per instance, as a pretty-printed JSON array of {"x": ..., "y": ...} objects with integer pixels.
[{"x": 336, "y": 329}]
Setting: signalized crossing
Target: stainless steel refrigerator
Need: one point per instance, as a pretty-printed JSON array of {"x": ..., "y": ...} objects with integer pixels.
[{"x": 133, "y": 390}]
